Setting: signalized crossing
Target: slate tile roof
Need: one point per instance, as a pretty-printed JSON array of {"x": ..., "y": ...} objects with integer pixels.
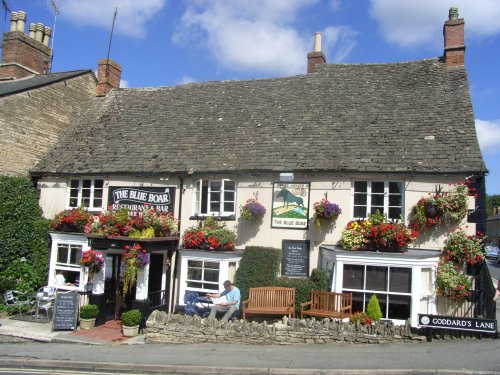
[
  {"x": 35, "y": 81},
  {"x": 401, "y": 117}
]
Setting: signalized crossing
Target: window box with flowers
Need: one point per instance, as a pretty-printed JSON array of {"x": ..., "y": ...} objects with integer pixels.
[
  {"x": 441, "y": 207},
  {"x": 377, "y": 234},
  {"x": 325, "y": 211},
  {"x": 461, "y": 251},
  {"x": 73, "y": 220},
  {"x": 211, "y": 235},
  {"x": 252, "y": 211},
  {"x": 93, "y": 261},
  {"x": 147, "y": 223}
]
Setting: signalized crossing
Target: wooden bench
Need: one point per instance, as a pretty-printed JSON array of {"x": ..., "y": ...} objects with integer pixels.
[
  {"x": 270, "y": 301},
  {"x": 327, "y": 305}
]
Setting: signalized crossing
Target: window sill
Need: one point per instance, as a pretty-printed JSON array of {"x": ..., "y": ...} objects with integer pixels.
[{"x": 218, "y": 218}]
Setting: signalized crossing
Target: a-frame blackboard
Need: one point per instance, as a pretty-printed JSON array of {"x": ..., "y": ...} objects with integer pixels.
[{"x": 65, "y": 311}]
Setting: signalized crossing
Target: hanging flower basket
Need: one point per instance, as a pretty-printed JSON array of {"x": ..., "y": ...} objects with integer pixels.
[
  {"x": 93, "y": 261},
  {"x": 134, "y": 258},
  {"x": 325, "y": 211},
  {"x": 252, "y": 211}
]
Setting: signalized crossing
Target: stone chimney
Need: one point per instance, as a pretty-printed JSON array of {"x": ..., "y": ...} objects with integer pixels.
[
  {"x": 108, "y": 76},
  {"x": 24, "y": 55},
  {"x": 454, "y": 45},
  {"x": 317, "y": 56}
]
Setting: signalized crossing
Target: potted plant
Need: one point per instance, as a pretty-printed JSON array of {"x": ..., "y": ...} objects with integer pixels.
[
  {"x": 130, "y": 321},
  {"x": 325, "y": 211},
  {"x": 134, "y": 258},
  {"x": 252, "y": 211},
  {"x": 88, "y": 315}
]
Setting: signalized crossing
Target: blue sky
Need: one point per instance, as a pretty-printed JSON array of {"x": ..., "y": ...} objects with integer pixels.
[{"x": 171, "y": 42}]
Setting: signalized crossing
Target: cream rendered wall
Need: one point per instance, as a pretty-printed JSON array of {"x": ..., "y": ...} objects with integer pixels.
[{"x": 336, "y": 186}]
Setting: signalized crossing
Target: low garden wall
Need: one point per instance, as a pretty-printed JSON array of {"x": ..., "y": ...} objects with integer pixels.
[{"x": 176, "y": 328}]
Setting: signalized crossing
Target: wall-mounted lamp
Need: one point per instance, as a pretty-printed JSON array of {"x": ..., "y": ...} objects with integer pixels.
[{"x": 286, "y": 177}]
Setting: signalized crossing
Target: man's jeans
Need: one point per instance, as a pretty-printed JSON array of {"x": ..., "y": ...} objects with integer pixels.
[{"x": 229, "y": 311}]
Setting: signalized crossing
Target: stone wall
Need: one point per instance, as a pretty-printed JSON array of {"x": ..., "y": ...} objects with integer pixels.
[
  {"x": 32, "y": 121},
  {"x": 174, "y": 328}
]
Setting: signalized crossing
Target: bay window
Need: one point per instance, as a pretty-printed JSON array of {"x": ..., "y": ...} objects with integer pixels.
[
  {"x": 392, "y": 285},
  {"x": 214, "y": 197},
  {"x": 383, "y": 196}
]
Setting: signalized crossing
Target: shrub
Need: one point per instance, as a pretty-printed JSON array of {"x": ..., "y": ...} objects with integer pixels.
[
  {"x": 24, "y": 233},
  {"x": 259, "y": 266},
  {"x": 373, "y": 308},
  {"x": 20, "y": 276},
  {"x": 89, "y": 311},
  {"x": 131, "y": 318},
  {"x": 303, "y": 286}
]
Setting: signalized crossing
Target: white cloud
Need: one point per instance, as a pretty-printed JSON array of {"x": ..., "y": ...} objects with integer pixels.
[
  {"x": 185, "y": 79},
  {"x": 124, "y": 84},
  {"x": 338, "y": 42},
  {"x": 131, "y": 19},
  {"x": 254, "y": 35},
  {"x": 488, "y": 133},
  {"x": 408, "y": 23}
]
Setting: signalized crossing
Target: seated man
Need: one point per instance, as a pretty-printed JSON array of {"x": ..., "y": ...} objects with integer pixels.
[{"x": 231, "y": 304}]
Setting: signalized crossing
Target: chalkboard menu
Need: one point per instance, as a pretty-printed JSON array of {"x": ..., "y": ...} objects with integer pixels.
[
  {"x": 65, "y": 311},
  {"x": 295, "y": 258}
]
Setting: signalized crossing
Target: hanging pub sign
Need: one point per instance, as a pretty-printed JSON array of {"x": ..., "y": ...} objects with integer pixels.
[
  {"x": 134, "y": 199},
  {"x": 290, "y": 205}
]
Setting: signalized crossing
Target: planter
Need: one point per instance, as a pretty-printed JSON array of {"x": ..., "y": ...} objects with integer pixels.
[
  {"x": 130, "y": 331},
  {"x": 87, "y": 323}
]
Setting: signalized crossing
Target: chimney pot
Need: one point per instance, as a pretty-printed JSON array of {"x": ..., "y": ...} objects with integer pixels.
[
  {"x": 13, "y": 21},
  {"x": 39, "y": 32},
  {"x": 453, "y": 14},
  {"x": 21, "y": 21},
  {"x": 47, "y": 32},
  {"x": 317, "y": 42},
  {"x": 32, "y": 30}
]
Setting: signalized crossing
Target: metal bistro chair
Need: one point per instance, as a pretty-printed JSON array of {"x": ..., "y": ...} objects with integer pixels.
[
  {"x": 17, "y": 300},
  {"x": 45, "y": 298},
  {"x": 190, "y": 300}
]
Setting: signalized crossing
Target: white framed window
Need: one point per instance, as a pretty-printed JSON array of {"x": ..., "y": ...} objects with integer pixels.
[
  {"x": 392, "y": 285},
  {"x": 384, "y": 196},
  {"x": 203, "y": 275},
  {"x": 67, "y": 263},
  {"x": 87, "y": 192},
  {"x": 214, "y": 197}
]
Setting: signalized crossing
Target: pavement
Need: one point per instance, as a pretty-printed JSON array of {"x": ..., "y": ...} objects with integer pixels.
[{"x": 41, "y": 330}]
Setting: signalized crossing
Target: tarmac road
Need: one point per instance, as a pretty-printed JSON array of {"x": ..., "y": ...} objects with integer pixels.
[{"x": 437, "y": 357}]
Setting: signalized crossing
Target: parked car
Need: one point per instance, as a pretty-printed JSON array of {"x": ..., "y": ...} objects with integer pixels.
[{"x": 492, "y": 252}]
